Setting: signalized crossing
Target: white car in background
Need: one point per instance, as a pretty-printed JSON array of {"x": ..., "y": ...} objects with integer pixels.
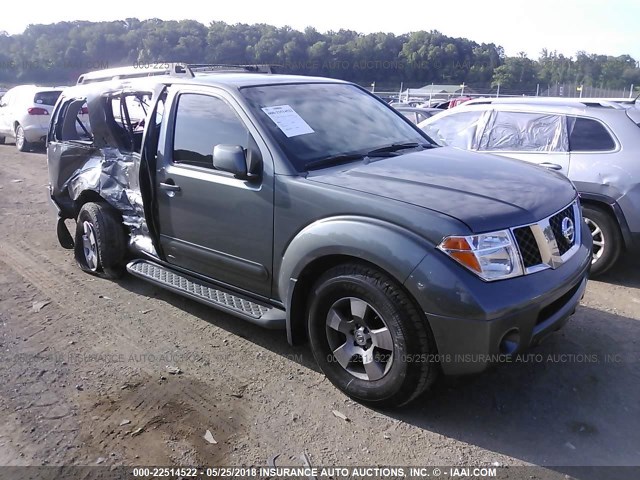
[{"x": 25, "y": 112}]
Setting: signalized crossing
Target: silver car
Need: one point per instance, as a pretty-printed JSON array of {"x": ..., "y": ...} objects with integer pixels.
[
  {"x": 417, "y": 114},
  {"x": 595, "y": 144}
]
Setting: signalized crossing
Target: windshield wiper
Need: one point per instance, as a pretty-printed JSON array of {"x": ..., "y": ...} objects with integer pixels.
[
  {"x": 396, "y": 147},
  {"x": 335, "y": 160}
]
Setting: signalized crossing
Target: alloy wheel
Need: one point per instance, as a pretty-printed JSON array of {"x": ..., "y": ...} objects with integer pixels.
[
  {"x": 598, "y": 240},
  {"x": 359, "y": 338},
  {"x": 19, "y": 138},
  {"x": 90, "y": 246}
]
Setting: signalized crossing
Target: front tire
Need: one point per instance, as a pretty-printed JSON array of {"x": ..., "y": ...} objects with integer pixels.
[
  {"x": 369, "y": 338},
  {"x": 21, "y": 142},
  {"x": 607, "y": 240},
  {"x": 100, "y": 242}
]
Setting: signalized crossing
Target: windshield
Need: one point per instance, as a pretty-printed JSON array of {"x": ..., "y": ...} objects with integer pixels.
[{"x": 312, "y": 122}]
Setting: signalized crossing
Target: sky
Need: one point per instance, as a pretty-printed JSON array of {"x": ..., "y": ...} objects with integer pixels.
[{"x": 610, "y": 27}]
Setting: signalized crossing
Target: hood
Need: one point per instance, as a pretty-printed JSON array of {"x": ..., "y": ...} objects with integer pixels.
[{"x": 484, "y": 191}]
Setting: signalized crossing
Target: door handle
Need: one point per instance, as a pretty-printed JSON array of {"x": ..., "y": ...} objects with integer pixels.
[
  {"x": 552, "y": 166},
  {"x": 170, "y": 187}
]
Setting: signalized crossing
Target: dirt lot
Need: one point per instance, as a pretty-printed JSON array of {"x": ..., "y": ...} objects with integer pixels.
[{"x": 95, "y": 357}]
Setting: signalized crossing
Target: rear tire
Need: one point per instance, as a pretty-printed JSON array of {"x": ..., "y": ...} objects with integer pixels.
[
  {"x": 100, "y": 241},
  {"x": 21, "y": 142},
  {"x": 607, "y": 239},
  {"x": 369, "y": 338}
]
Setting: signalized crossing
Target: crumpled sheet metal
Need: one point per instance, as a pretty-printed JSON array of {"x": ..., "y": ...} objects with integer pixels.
[{"x": 114, "y": 176}]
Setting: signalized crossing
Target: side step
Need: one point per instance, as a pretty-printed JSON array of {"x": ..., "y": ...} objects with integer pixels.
[{"x": 260, "y": 314}]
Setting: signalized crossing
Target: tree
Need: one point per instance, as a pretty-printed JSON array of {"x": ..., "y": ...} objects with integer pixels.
[
  {"x": 516, "y": 73},
  {"x": 59, "y": 52}
]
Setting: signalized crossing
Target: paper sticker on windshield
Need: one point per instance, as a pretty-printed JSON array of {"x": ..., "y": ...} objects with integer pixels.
[{"x": 288, "y": 120}]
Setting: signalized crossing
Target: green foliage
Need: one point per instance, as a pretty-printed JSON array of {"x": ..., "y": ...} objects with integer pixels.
[
  {"x": 516, "y": 72},
  {"x": 589, "y": 69},
  {"x": 58, "y": 53}
]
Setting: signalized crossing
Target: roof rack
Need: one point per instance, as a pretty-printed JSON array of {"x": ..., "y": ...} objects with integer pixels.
[
  {"x": 215, "y": 68},
  {"x": 564, "y": 101},
  {"x": 176, "y": 69}
]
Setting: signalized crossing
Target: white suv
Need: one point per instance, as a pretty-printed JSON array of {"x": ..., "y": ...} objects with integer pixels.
[{"x": 25, "y": 112}]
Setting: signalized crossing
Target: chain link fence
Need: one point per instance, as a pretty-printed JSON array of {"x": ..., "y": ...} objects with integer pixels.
[{"x": 566, "y": 90}]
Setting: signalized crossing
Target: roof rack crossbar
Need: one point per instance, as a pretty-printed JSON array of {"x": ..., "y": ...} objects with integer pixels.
[
  {"x": 177, "y": 69},
  {"x": 220, "y": 67}
]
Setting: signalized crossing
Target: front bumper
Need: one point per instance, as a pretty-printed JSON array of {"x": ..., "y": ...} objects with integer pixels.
[{"x": 476, "y": 323}]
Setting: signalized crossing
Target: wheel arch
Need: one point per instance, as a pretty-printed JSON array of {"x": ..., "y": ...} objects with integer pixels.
[
  {"x": 611, "y": 207},
  {"x": 85, "y": 197},
  {"x": 324, "y": 244},
  {"x": 70, "y": 210}
]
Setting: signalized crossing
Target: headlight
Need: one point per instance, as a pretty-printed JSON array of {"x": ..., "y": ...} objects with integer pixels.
[{"x": 491, "y": 256}]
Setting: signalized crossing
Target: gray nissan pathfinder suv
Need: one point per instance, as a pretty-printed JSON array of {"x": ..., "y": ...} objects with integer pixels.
[{"x": 310, "y": 205}]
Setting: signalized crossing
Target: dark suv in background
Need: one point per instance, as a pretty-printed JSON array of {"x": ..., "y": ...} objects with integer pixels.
[{"x": 310, "y": 205}]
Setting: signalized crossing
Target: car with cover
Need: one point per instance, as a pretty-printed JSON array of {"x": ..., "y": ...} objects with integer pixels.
[
  {"x": 594, "y": 142},
  {"x": 308, "y": 204}
]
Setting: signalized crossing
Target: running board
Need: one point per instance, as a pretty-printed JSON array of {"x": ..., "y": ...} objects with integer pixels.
[{"x": 203, "y": 292}]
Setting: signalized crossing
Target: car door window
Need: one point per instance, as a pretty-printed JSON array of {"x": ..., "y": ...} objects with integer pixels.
[
  {"x": 525, "y": 132},
  {"x": 71, "y": 122},
  {"x": 455, "y": 130},
  {"x": 202, "y": 122},
  {"x": 588, "y": 135}
]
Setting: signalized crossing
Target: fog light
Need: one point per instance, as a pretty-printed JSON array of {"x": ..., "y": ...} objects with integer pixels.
[{"x": 510, "y": 342}]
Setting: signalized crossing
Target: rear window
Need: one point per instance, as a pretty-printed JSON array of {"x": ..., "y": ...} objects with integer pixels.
[
  {"x": 47, "y": 98},
  {"x": 587, "y": 135}
]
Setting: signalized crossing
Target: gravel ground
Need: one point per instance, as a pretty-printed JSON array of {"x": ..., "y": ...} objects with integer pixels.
[{"x": 84, "y": 377}]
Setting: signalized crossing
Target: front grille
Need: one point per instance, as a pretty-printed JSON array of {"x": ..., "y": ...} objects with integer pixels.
[
  {"x": 556, "y": 226},
  {"x": 528, "y": 246},
  {"x": 542, "y": 245}
]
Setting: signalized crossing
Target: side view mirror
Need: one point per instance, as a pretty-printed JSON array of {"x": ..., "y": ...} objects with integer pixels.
[
  {"x": 230, "y": 158},
  {"x": 234, "y": 159}
]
